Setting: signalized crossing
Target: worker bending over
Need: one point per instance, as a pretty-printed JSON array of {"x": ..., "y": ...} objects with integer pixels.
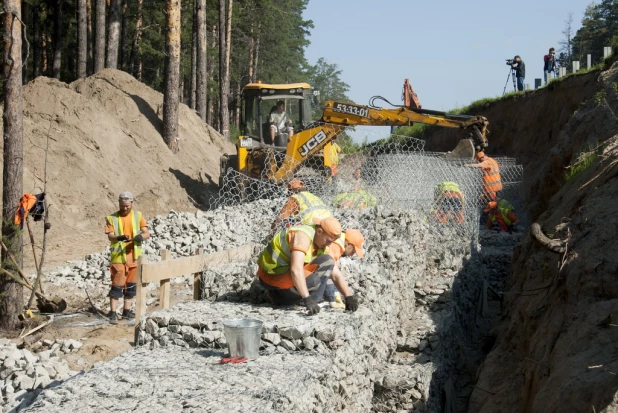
[
  {"x": 502, "y": 212},
  {"x": 125, "y": 229},
  {"x": 492, "y": 183},
  {"x": 301, "y": 207},
  {"x": 295, "y": 267},
  {"x": 349, "y": 243},
  {"x": 358, "y": 198},
  {"x": 449, "y": 202}
]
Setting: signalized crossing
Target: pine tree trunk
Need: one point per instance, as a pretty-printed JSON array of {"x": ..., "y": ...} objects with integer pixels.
[
  {"x": 250, "y": 47},
  {"x": 224, "y": 86},
  {"x": 172, "y": 74},
  {"x": 237, "y": 107},
  {"x": 136, "y": 60},
  {"x": 11, "y": 303},
  {"x": 57, "y": 40},
  {"x": 25, "y": 17},
  {"x": 82, "y": 39},
  {"x": 123, "y": 34},
  {"x": 89, "y": 39},
  {"x": 36, "y": 43},
  {"x": 256, "y": 54},
  {"x": 210, "y": 111},
  {"x": 113, "y": 37},
  {"x": 99, "y": 46},
  {"x": 201, "y": 78},
  {"x": 192, "y": 87},
  {"x": 45, "y": 48}
]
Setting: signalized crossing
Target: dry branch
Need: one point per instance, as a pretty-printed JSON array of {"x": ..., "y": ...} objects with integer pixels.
[{"x": 554, "y": 245}]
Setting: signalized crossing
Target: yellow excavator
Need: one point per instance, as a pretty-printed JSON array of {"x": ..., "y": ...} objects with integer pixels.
[{"x": 259, "y": 156}]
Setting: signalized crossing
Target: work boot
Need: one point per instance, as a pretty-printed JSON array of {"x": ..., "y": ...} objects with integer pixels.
[
  {"x": 128, "y": 314},
  {"x": 113, "y": 317}
]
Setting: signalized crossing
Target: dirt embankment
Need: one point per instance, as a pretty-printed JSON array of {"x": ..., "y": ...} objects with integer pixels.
[
  {"x": 528, "y": 127},
  {"x": 105, "y": 137},
  {"x": 555, "y": 348}
]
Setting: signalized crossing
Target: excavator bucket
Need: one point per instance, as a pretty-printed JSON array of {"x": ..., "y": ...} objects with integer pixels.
[{"x": 464, "y": 149}]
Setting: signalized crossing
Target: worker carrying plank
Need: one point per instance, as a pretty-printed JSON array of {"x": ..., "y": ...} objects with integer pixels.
[{"x": 295, "y": 266}]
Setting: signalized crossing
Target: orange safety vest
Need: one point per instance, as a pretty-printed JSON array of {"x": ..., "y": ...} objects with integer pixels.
[{"x": 491, "y": 177}]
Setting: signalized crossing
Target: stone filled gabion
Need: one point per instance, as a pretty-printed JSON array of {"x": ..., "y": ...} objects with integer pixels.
[{"x": 23, "y": 375}]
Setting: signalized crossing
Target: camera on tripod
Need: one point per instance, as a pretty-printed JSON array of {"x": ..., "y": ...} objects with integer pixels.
[{"x": 509, "y": 62}]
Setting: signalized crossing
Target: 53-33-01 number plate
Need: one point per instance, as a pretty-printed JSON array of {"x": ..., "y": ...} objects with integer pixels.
[{"x": 351, "y": 109}]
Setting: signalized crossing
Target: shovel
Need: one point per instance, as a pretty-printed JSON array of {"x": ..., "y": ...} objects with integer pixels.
[{"x": 45, "y": 305}]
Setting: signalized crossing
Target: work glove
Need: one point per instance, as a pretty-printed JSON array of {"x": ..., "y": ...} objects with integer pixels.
[
  {"x": 122, "y": 238},
  {"x": 311, "y": 305},
  {"x": 138, "y": 238},
  {"x": 351, "y": 304}
]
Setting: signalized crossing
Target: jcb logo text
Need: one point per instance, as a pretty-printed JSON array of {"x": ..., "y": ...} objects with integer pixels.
[{"x": 312, "y": 143}]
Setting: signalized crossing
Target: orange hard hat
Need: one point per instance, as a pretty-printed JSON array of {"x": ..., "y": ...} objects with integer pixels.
[
  {"x": 480, "y": 154},
  {"x": 296, "y": 184},
  {"x": 356, "y": 238},
  {"x": 330, "y": 225},
  {"x": 491, "y": 206}
]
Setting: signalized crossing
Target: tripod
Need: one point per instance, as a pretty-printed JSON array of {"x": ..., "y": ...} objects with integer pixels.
[{"x": 511, "y": 74}]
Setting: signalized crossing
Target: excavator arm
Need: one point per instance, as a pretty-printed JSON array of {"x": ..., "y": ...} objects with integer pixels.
[
  {"x": 338, "y": 115},
  {"x": 349, "y": 114}
]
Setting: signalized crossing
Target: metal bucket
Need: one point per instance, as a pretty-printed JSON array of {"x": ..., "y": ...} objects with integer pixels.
[{"x": 243, "y": 337}]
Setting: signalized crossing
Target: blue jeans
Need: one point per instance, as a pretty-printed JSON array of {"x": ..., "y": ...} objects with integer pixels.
[{"x": 520, "y": 84}]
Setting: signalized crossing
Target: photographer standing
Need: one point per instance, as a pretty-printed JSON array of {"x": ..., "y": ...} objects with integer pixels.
[
  {"x": 520, "y": 72},
  {"x": 550, "y": 63}
]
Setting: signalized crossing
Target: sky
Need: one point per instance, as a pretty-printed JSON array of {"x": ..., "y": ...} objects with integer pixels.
[{"x": 452, "y": 51}]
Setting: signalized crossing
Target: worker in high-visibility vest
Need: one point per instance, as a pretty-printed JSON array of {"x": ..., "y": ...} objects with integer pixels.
[
  {"x": 449, "y": 202},
  {"x": 295, "y": 267},
  {"x": 126, "y": 229},
  {"x": 301, "y": 207},
  {"x": 358, "y": 198},
  {"x": 501, "y": 212},
  {"x": 335, "y": 150},
  {"x": 492, "y": 183}
]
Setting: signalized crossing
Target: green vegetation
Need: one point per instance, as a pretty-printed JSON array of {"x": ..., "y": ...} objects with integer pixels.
[
  {"x": 599, "y": 97},
  {"x": 584, "y": 160},
  {"x": 599, "y": 28}
]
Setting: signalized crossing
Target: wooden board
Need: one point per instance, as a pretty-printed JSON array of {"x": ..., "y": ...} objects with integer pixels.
[{"x": 178, "y": 267}]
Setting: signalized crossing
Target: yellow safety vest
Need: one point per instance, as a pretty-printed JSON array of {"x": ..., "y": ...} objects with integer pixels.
[
  {"x": 334, "y": 154},
  {"x": 356, "y": 199},
  {"x": 447, "y": 186},
  {"x": 504, "y": 207},
  {"x": 119, "y": 248},
  {"x": 310, "y": 206},
  {"x": 276, "y": 257}
]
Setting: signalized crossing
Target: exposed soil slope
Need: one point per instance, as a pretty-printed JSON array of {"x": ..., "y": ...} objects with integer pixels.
[
  {"x": 105, "y": 138},
  {"x": 555, "y": 349}
]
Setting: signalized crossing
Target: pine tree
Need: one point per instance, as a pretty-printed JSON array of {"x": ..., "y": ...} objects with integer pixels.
[{"x": 172, "y": 75}]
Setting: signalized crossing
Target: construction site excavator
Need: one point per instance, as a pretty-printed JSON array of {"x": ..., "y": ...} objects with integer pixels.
[{"x": 258, "y": 157}]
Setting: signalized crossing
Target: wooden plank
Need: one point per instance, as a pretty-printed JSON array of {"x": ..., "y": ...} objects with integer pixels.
[
  {"x": 140, "y": 304},
  {"x": 163, "y": 270},
  {"x": 197, "y": 280},
  {"x": 164, "y": 285}
]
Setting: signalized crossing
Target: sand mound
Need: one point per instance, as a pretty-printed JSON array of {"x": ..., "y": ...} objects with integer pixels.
[{"x": 106, "y": 138}]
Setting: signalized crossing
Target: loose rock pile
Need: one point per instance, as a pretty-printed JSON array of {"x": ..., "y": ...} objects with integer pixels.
[
  {"x": 182, "y": 233},
  {"x": 24, "y": 375}
]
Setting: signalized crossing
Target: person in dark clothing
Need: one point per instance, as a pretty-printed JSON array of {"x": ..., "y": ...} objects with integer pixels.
[
  {"x": 550, "y": 64},
  {"x": 520, "y": 72}
]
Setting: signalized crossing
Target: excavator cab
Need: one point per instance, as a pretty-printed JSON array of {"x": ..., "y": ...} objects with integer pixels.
[{"x": 255, "y": 146}]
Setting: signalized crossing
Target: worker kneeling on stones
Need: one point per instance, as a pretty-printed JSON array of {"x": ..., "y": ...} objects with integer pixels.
[
  {"x": 349, "y": 243},
  {"x": 295, "y": 267},
  {"x": 502, "y": 212},
  {"x": 359, "y": 198},
  {"x": 302, "y": 206}
]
